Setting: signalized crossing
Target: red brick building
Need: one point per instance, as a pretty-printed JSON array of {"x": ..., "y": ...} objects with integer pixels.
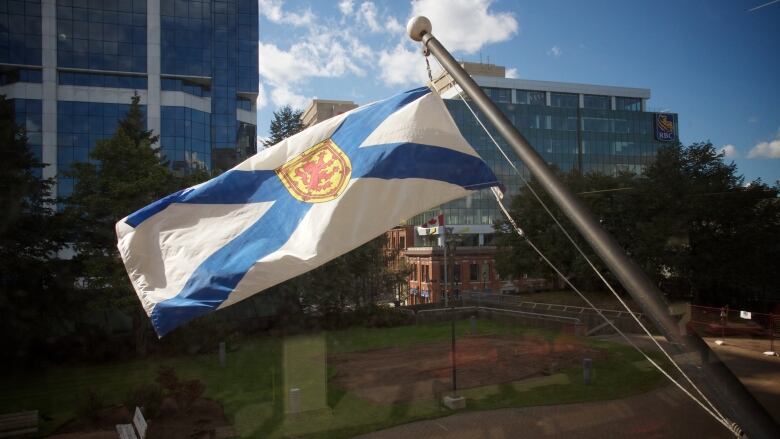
[{"x": 472, "y": 267}]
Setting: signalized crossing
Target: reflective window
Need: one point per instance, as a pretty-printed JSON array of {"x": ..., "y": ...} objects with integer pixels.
[
  {"x": 597, "y": 102},
  {"x": 567, "y": 100},
  {"x": 531, "y": 97},
  {"x": 101, "y": 80},
  {"x": 20, "y": 32},
  {"x": 628, "y": 104},
  {"x": 27, "y": 113},
  {"x": 97, "y": 35},
  {"x": 499, "y": 95},
  {"x": 186, "y": 37},
  {"x": 80, "y": 125},
  {"x": 247, "y": 139},
  {"x": 20, "y": 75},
  {"x": 245, "y": 104},
  {"x": 247, "y": 46},
  {"x": 185, "y": 138},
  {"x": 183, "y": 85}
]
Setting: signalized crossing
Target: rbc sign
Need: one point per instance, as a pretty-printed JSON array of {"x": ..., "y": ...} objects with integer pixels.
[{"x": 664, "y": 127}]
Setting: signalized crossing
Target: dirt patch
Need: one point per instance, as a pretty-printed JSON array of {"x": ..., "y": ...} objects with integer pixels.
[{"x": 424, "y": 371}]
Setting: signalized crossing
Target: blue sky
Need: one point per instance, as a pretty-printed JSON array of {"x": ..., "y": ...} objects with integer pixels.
[{"x": 716, "y": 63}]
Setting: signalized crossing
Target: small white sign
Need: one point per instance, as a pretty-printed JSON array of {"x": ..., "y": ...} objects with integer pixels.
[
  {"x": 745, "y": 314},
  {"x": 140, "y": 423}
]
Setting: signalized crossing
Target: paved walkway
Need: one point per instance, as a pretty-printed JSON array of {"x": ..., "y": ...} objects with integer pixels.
[{"x": 662, "y": 413}]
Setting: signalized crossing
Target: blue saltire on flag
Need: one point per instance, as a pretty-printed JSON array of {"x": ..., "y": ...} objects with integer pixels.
[{"x": 296, "y": 205}]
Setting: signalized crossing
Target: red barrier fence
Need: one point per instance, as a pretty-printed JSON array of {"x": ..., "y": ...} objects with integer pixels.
[{"x": 726, "y": 322}]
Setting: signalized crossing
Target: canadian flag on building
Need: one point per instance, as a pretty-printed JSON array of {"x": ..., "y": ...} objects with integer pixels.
[{"x": 437, "y": 221}]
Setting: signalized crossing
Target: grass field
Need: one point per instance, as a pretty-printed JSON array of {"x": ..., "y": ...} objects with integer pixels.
[{"x": 250, "y": 387}]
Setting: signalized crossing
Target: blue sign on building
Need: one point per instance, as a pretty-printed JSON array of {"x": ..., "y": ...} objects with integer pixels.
[{"x": 664, "y": 127}]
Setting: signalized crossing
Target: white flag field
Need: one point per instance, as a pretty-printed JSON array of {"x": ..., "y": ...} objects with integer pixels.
[{"x": 296, "y": 205}]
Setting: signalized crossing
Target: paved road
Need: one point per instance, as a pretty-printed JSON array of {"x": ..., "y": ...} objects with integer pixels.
[{"x": 662, "y": 413}]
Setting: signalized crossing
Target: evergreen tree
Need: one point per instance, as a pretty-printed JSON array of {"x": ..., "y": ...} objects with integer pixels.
[
  {"x": 29, "y": 239},
  {"x": 285, "y": 123},
  {"x": 130, "y": 173}
]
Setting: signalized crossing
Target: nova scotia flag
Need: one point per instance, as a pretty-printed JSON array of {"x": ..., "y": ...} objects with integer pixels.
[{"x": 296, "y": 205}]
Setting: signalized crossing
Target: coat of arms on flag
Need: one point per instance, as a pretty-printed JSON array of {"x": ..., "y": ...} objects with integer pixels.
[{"x": 296, "y": 205}]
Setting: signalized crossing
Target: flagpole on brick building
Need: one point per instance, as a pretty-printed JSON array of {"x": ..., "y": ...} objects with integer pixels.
[{"x": 705, "y": 367}]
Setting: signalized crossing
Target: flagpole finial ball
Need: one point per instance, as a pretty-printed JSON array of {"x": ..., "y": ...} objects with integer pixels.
[{"x": 417, "y": 27}]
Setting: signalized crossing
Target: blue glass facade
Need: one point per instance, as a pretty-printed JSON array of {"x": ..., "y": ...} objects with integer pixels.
[
  {"x": 14, "y": 75},
  {"x": 209, "y": 49},
  {"x": 186, "y": 37},
  {"x": 102, "y": 35},
  {"x": 591, "y": 140},
  {"x": 28, "y": 114},
  {"x": 80, "y": 125},
  {"x": 185, "y": 136},
  {"x": 102, "y": 80},
  {"x": 20, "y": 32}
]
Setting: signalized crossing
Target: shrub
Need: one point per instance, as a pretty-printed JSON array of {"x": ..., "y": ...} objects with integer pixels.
[
  {"x": 147, "y": 395},
  {"x": 90, "y": 405},
  {"x": 184, "y": 392}
]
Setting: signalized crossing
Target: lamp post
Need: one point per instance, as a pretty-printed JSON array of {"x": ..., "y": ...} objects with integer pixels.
[{"x": 449, "y": 247}]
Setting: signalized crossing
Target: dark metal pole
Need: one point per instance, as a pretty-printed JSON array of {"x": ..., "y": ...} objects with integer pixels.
[
  {"x": 452, "y": 324},
  {"x": 719, "y": 382}
]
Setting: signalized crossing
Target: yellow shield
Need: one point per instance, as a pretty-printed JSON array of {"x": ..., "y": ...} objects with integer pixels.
[{"x": 317, "y": 175}]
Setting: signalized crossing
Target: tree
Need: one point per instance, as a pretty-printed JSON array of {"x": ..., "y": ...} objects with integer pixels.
[
  {"x": 130, "y": 173},
  {"x": 285, "y": 123},
  {"x": 515, "y": 257},
  {"x": 32, "y": 289},
  {"x": 689, "y": 221}
]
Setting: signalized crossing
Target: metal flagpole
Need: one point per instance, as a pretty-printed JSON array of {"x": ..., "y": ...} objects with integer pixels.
[{"x": 721, "y": 383}]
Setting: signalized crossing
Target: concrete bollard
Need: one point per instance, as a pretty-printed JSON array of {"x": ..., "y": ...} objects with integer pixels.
[
  {"x": 587, "y": 369},
  {"x": 473, "y": 321},
  {"x": 222, "y": 354}
]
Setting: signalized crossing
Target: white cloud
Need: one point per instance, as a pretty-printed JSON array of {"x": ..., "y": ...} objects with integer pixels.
[
  {"x": 393, "y": 26},
  {"x": 272, "y": 10},
  {"x": 368, "y": 15},
  {"x": 729, "y": 151},
  {"x": 345, "y": 6},
  {"x": 555, "y": 52},
  {"x": 770, "y": 149},
  {"x": 320, "y": 55},
  {"x": 262, "y": 100},
  {"x": 282, "y": 96},
  {"x": 466, "y": 25},
  {"x": 402, "y": 66},
  {"x": 512, "y": 73}
]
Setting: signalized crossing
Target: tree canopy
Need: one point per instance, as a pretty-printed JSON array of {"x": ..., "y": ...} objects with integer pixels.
[
  {"x": 689, "y": 220},
  {"x": 31, "y": 285},
  {"x": 285, "y": 123},
  {"x": 127, "y": 172}
]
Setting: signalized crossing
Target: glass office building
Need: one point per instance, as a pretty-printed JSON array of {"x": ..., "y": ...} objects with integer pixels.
[
  {"x": 590, "y": 128},
  {"x": 583, "y": 127},
  {"x": 71, "y": 67}
]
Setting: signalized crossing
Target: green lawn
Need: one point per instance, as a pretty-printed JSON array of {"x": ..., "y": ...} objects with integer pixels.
[{"x": 250, "y": 387}]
